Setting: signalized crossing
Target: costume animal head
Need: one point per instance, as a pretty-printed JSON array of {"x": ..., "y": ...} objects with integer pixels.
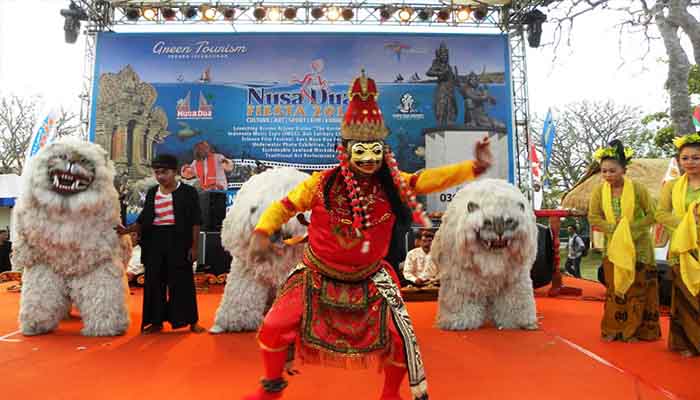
[
  {"x": 66, "y": 215},
  {"x": 251, "y": 201},
  {"x": 489, "y": 228},
  {"x": 71, "y": 174}
]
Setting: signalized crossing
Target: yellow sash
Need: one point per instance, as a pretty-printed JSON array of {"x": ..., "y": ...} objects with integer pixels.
[
  {"x": 685, "y": 237},
  {"x": 621, "y": 251}
]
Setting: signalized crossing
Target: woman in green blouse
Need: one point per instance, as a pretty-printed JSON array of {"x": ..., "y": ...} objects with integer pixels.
[
  {"x": 678, "y": 213},
  {"x": 624, "y": 211}
]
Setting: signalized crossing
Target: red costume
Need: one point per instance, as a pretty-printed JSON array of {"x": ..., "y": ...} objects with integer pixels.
[{"x": 341, "y": 306}]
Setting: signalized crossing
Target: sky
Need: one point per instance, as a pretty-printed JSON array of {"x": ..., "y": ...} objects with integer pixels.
[{"x": 35, "y": 60}]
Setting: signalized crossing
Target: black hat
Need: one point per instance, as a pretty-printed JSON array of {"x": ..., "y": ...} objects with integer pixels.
[{"x": 167, "y": 161}]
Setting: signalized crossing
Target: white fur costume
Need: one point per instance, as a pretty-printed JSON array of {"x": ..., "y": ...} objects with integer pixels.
[
  {"x": 484, "y": 250},
  {"x": 66, "y": 244},
  {"x": 250, "y": 288}
]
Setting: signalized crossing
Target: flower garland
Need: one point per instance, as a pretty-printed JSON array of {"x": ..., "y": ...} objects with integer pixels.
[
  {"x": 686, "y": 139},
  {"x": 611, "y": 152}
]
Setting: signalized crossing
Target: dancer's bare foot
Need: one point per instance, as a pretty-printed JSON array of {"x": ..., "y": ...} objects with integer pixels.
[{"x": 196, "y": 328}]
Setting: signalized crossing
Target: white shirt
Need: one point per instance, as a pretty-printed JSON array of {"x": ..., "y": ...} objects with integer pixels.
[
  {"x": 418, "y": 264},
  {"x": 135, "y": 267}
]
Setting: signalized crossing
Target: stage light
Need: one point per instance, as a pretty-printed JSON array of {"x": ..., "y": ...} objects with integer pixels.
[
  {"x": 73, "y": 15},
  {"x": 208, "y": 13},
  {"x": 348, "y": 14},
  {"x": 149, "y": 13},
  {"x": 189, "y": 13},
  {"x": 229, "y": 13},
  {"x": 463, "y": 14},
  {"x": 480, "y": 13},
  {"x": 333, "y": 13},
  {"x": 534, "y": 20},
  {"x": 132, "y": 14},
  {"x": 290, "y": 13},
  {"x": 317, "y": 12},
  {"x": 385, "y": 13},
  {"x": 168, "y": 14},
  {"x": 425, "y": 14},
  {"x": 443, "y": 15},
  {"x": 405, "y": 14},
  {"x": 274, "y": 14},
  {"x": 259, "y": 13}
]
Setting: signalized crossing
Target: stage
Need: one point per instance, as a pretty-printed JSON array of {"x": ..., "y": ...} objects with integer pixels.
[{"x": 565, "y": 359}]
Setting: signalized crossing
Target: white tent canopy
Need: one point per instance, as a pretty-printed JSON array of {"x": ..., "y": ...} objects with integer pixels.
[{"x": 10, "y": 186}]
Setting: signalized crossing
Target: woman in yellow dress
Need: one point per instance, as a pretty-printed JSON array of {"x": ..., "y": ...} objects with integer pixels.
[
  {"x": 678, "y": 212},
  {"x": 624, "y": 211}
]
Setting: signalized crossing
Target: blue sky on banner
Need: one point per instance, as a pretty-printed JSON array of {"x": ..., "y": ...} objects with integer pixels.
[{"x": 35, "y": 60}]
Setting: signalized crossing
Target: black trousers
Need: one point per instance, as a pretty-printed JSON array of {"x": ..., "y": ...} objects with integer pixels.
[
  {"x": 573, "y": 266},
  {"x": 169, "y": 294}
]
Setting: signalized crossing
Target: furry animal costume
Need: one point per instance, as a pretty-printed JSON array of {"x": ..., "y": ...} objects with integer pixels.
[
  {"x": 484, "y": 251},
  {"x": 66, "y": 244},
  {"x": 251, "y": 288}
]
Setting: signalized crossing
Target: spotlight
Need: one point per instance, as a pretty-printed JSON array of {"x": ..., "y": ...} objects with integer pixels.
[
  {"x": 168, "y": 14},
  {"x": 463, "y": 14},
  {"x": 405, "y": 14},
  {"x": 189, "y": 13},
  {"x": 132, "y": 14},
  {"x": 290, "y": 13},
  {"x": 259, "y": 13},
  {"x": 229, "y": 13},
  {"x": 317, "y": 12},
  {"x": 385, "y": 13},
  {"x": 73, "y": 15},
  {"x": 480, "y": 13},
  {"x": 443, "y": 15},
  {"x": 425, "y": 14},
  {"x": 348, "y": 14},
  {"x": 274, "y": 14},
  {"x": 208, "y": 13},
  {"x": 534, "y": 20},
  {"x": 333, "y": 13},
  {"x": 149, "y": 13}
]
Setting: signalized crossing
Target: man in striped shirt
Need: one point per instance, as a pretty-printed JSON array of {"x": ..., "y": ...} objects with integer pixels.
[{"x": 169, "y": 228}]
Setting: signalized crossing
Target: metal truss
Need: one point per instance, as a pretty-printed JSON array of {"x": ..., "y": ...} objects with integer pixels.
[
  {"x": 521, "y": 105},
  {"x": 444, "y": 14}
]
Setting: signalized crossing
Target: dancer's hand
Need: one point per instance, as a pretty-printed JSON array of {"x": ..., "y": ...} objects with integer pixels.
[{"x": 484, "y": 157}]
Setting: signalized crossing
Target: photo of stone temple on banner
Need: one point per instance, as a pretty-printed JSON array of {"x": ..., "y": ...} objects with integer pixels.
[{"x": 232, "y": 105}]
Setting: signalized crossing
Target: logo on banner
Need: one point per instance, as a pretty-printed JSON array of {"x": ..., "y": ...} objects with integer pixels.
[
  {"x": 203, "y": 111},
  {"x": 406, "y": 109},
  {"x": 325, "y": 105},
  {"x": 44, "y": 134}
]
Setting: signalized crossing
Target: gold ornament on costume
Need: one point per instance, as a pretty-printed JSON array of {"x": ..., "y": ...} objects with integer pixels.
[{"x": 363, "y": 119}]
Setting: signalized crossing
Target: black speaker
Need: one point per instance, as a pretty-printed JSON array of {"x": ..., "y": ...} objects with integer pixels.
[
  {"x": 213, "y": 205},
  {"x": 211, "y": 257},
  {"x": 543, "y": 268}
]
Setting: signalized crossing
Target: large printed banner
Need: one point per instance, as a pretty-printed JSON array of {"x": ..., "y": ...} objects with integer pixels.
[{"x": 231, "y": 105}]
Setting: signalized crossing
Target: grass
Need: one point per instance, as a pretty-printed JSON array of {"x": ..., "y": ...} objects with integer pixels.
[{"x": 589, "y": 263}]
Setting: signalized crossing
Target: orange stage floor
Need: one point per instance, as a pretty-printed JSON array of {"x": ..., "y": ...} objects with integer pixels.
[{"x": 564, "y": 360}]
